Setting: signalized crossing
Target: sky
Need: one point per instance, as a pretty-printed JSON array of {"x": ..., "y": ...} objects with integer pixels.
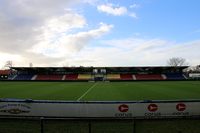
[{"x": 57, "y": 33}]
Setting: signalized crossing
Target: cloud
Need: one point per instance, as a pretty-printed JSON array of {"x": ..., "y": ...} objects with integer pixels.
[
  {"x": 64, "y": 23},
  {"x": 22, "y": 22},
  {"x": 48, "y": 33},
  {"x": 113, "y": 10},
  {"x": 134, "y": 6},
  {"x": 76, "y": 42},
  {"x": 136, "y": 52},
  {"x": 67, "y": 44},
  {"x": 91, "y": 2},
  {"x": 118, "y": 52},
  {"x": 43, "y": 32},
  {"x": 53, "y": 30},
  {"x": 132, "y": 14},
  {"x": 24, "y": 59}
]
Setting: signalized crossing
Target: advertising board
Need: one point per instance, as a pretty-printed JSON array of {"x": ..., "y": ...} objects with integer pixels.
[{"x": 152, "y": 109}]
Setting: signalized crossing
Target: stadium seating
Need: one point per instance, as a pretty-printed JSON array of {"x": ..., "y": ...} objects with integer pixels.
[
  {"x": 84, "y": 76},
  {"x": 49, "y": 77},
  {"x": 126, "y": 76},
  {"x": 71, "y": 77},
  {"x": 23, "y": 77},
  {"x": 168, "y": 76},
  {"x": 4, "y": 72},
  {"x": 78, "y": 74},
  {"x": 113, "y": 77},
  {"x": 174, "y": 76},
  {"x": 149, "y": 77}
]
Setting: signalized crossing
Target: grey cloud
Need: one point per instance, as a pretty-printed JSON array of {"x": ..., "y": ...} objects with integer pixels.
[
  {"x": 16, "y": 39},
  {"x": 25, "y": 24},
  {"x": 76, "y": 42},
  {"x": 136, "y": 52},
  {"x": 20, "y": 21}
]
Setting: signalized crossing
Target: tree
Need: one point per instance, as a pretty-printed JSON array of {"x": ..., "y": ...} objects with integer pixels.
[
  {"x": 177, "y": 61},
  {"x": 8, "y": 64}
]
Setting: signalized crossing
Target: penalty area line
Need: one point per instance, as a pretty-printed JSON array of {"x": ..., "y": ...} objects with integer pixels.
[{"x": 89, "y": 89}]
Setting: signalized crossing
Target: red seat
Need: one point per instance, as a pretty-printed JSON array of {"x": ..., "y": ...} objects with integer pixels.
[
  {"x": 71, "y": 77},
  {"x": 149, "y": 77},
  {"x": 49, "y": 77},
  {"x": 126, "y": 76},
  {"x": 4, "y": 72}
]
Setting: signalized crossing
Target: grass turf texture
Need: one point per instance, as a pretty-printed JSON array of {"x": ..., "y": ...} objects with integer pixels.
[{"x": 101, "y": 91}]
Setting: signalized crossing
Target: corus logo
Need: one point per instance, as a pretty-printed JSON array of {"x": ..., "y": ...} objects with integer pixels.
[{"x": 123, "y": 108}]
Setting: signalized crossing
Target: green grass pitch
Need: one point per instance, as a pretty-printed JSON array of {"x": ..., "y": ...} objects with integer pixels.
[{"x": 101, "y": 91}]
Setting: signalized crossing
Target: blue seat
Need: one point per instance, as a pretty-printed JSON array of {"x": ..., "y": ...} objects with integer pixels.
[
  {"x": 23, "y": 77},
  {"x": 175, "y": 76}
]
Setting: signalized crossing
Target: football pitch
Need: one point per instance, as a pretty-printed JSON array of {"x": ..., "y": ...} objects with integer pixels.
[{"x": 102, "y": 91}]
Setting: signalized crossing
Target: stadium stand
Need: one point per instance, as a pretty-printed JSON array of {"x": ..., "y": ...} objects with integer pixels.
[
  {"x": 88, "y": 73},
  {"x": 23, "y": 77},
  {"x": 126, "y": 76},
  {"x": 84, "y": 77},
  {"x": 71, "y": 77},
  {"x": 4, "y": 72},
  {"x": 149, "y": 77},
  {"x": 174, "y": 76},
  {"x": 113, "y": 77},
  {"x": 49, "y": 77}
]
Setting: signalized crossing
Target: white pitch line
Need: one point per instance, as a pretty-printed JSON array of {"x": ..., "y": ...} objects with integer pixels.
[{"x": 89, "y": 89}]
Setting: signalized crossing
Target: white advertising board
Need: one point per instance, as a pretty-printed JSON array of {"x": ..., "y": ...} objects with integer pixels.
[{"x": 100, "y": 109}]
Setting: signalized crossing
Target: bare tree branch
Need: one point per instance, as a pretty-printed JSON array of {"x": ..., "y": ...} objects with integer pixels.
[{"x": 177, "y": 61}]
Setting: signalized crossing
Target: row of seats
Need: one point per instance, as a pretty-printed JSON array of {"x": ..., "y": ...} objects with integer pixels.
[
  {"x": 71, "y": 77},
  {"x": 135, "y": 77},
  {"x": 48, "y": 77},
  {"x": 4, "y": 72},
  {"x": 176, "y": 76},
  {"x": 126, "y": 77},
  {"x": 23, "y": 77},
  {"x": 170, "y": 76},
  {"x": 54, "y": 77},
  {"x": 149, "y": 77}
]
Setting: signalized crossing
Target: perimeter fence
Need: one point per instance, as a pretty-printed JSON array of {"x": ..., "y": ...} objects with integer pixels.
[{"x": 79, "y": 125}]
